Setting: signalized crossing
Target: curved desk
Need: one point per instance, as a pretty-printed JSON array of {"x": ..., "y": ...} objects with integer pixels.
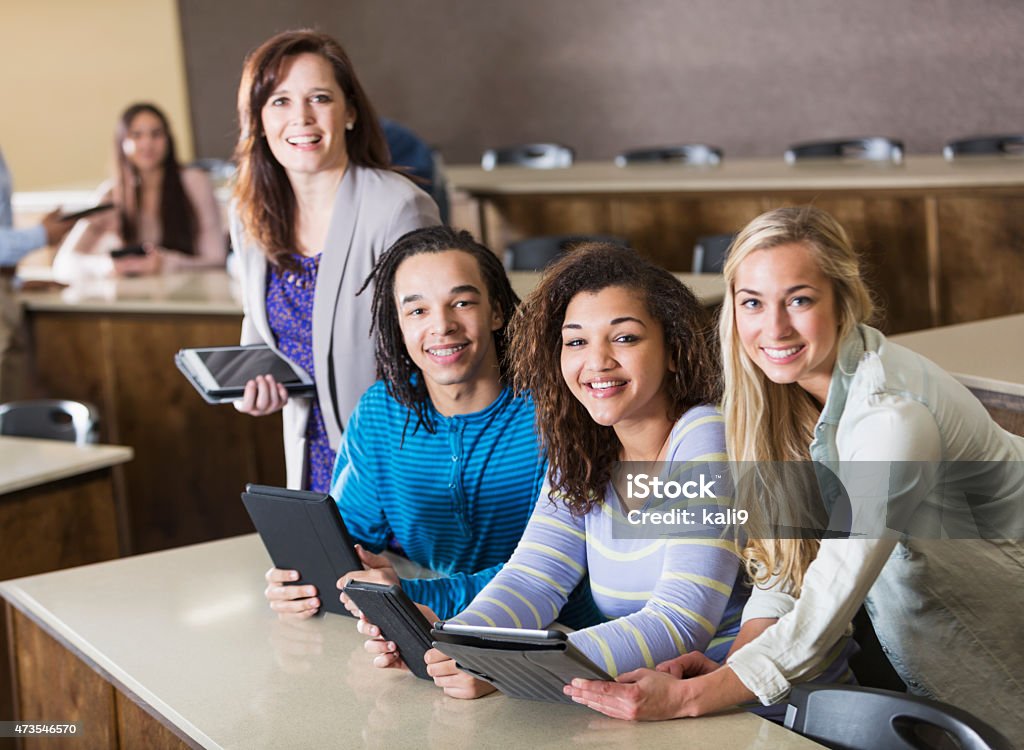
[
  {"x": 179, "y": 649},
  {"x": 944, "y": 242}
]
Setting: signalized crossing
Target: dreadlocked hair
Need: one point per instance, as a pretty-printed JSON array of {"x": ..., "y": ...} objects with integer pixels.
[
  {"x": 580, "y": 452},
  {"x": 402, "y": 377}
]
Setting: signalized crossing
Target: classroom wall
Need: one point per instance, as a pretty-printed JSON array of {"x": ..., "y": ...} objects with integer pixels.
[
  {"x": 604, "y": 75},
  {"x": 67, "y": 70}
]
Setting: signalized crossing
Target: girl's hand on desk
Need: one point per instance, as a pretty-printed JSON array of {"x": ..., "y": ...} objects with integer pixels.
[
  {"x": 640, "y": 695},
  {"x": 299, "y": 602},
  {"x": 263, "y": 395},
  {"x": 453, "y": 680}
]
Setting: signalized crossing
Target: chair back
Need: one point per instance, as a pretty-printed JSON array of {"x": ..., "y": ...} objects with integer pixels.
[
  {"x": 439, "y": 187},
  {"x": 532, "y": 155},
  {"x": 536, "y": 253},
  {"x": 710, "y": 252},
  {"x": 856, "y": 718},
  {"x": 51, "y": 419},
  {"x": 218, "y": 169},
  {"x": 691, "y": 154},
  {"x": 985, "y": 145},
  {"x": 873, "y": 148}
]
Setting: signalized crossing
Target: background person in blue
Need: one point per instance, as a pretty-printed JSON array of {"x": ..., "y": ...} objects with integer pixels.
[{"x": 439, "y": 460}]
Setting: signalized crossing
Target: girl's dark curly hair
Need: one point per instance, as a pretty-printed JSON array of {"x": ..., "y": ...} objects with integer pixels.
[
  {"x": 394, "y": 365},
  {"x": 580, "y": 452}
]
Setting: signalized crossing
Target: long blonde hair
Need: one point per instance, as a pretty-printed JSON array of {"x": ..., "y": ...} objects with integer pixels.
[{"x": 768, "y": 422}]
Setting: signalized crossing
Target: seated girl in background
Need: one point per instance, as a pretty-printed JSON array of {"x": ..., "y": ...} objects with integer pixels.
[
  {"x": 807, "y": 379},
  {"x": 619, "y": 357},
  {"x": 169, "y": 211}
]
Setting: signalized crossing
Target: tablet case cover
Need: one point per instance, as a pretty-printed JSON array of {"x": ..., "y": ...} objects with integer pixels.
[
  {"x": 304, "y": 531},
  {"x": 399, "y": 620},
  {"x": 529, "y": 670},
  {"x": 228, "y": 395}
]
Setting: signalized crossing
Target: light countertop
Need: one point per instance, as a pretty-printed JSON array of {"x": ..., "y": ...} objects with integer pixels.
[
  {"x": 216, "y": 293},
  {"x": 986, "y": 354},
  {"x": 733, "y": 175},
  {"x": 189, "y": 632},
  {"x": 194, "y": 292},
  {"x": 27, "y": 462}
]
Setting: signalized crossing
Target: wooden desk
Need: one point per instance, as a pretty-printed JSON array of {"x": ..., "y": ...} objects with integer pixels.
[
  {"x": 57, "y": 509},
  {"x": 987, "y": 357},
  {"x": 943, "y": 243},
  {"x": 709, "y": 287},
  {"x": 180, "y": 649},
  {"x": 112, "y": 342}
]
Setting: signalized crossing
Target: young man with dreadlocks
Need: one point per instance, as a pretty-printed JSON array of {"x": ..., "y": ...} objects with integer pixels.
[{"x": 439, "y": 460}]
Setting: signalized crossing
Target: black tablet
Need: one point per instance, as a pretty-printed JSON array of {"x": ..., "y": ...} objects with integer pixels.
[
  {"x": 399, "y": 620},
  {"x": 304, "y": 531},
  {"x": 219, "y": 373},
  {"x": 530, "y": 664}
]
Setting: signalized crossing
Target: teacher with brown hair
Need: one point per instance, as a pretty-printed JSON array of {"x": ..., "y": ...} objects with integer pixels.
[{"x": 316, "y": 203}]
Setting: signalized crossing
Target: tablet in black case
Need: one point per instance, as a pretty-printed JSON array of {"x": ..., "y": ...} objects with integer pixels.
[
  {"x": 304, "y": 531},
  {"x": 399, "y": 620},
  {"x": 530, "y": 664}
]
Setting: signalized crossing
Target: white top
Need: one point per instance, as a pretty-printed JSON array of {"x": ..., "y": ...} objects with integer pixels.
[
  {"x": 27, "y": 462},
  {"x": 986, "y": 354},
  {"x": 211, "y": 292},
  {"x": 189, "y": 632},
  {"x": 934, "y": 489}
]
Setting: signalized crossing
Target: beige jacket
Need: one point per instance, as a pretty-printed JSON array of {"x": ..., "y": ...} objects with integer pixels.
[{"x": 372, "y": 209}]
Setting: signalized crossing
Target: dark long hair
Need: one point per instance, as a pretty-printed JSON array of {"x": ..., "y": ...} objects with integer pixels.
[
  {"x": 581, "y": 452},
  {"x": 178, "y": 224},
  {"x": 403, "y": 379},
  {"x": 264, "y": 194}
]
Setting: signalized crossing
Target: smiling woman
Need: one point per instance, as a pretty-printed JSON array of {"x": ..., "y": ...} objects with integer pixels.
[
  {"x": 168, "y": 211},
  {"x": 620, "y": 359},
  {"x": 806, "y": 379},
  {"x": 316, "y": 203}
]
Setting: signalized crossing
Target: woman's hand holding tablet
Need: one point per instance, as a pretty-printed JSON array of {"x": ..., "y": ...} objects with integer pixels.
[{"x": 263, "y": 395}]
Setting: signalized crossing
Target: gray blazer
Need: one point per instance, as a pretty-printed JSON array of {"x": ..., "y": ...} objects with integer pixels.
[{"x": 372, "y": 209}]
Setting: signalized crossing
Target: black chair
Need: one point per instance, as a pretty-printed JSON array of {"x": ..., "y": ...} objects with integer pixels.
[
  {"x": 691, "y": 154},
  {"x": 50, "y": 419},
  {"x": 874, "y": 148},
  {"x": 710, "y": 252},
  {"x": 985, "y": 145},
  {"x": 532, "y": 155},
  {"x": 843, "y": 717},
  {"x": 535, "y": 253}
]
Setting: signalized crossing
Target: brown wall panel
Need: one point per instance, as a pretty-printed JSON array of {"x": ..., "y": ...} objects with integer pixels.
[{"x": 605, "y": 75}]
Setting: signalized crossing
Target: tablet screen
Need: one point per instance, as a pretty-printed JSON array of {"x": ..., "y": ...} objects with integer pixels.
[{"x": 233, "y": 368}]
